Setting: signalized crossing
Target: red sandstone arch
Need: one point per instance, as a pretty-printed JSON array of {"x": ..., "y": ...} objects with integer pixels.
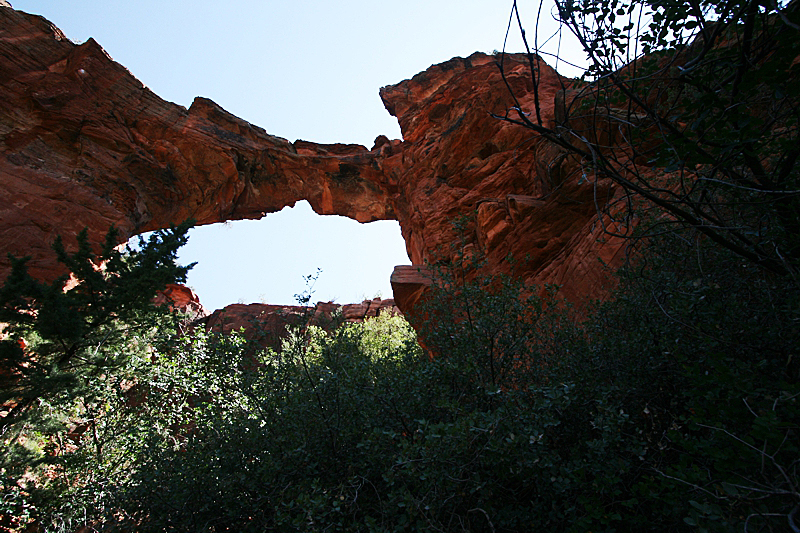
[{"x": 84, "y": 144}]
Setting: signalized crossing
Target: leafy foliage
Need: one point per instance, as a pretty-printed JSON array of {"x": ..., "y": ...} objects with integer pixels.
[
  {"x": 72, "y": 352},
  {"x": 653, "y": 415},
  {"x": 671, "y": 408}
]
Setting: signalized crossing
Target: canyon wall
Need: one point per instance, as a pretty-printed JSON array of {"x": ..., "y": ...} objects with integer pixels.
[{"x": 84, "y": 144}]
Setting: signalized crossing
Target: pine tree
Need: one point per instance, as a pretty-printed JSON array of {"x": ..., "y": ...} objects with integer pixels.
[{"x": 67, "y": 348}]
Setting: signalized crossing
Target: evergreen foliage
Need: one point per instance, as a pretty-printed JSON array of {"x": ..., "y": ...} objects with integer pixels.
[
  {"x": 672, "y": 407},
  {"x": 70, "y": 354}
]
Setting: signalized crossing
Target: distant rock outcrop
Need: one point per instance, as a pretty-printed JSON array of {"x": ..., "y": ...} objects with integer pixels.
[
  {"x": 84, "y": 144},
  {"x": 182, "y": 298},
  {"x": 269, "y": 322}
]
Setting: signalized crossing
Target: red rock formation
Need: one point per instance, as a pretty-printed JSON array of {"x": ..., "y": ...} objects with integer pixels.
[
  {"x": 516, "y": 191},
  {"x": 83, "y": 143},
  {"x": 182, "y": 298},
  {"x": 368, "y": 309},
  {"x": 271, "y": 321}
]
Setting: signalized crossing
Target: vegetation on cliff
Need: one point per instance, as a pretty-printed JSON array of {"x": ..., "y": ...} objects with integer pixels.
[
  {"x": 673, "y": 406},
  {"x": 691, "y": 109}
]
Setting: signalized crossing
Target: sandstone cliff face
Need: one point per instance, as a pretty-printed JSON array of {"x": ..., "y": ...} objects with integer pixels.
[
  {"x": 520, "y": 195},
  {"x": 182, "y": 298},
  {"x": 83, "y": 143}
]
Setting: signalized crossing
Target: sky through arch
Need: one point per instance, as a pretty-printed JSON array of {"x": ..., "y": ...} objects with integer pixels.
[{"x": 266, "y": 260}]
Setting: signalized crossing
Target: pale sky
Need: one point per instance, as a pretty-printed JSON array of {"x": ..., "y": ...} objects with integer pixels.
[{"x": 301, "y": 69}]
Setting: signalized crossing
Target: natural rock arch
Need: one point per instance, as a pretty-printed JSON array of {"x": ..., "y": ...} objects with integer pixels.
[{"x": 84, "y": 144}]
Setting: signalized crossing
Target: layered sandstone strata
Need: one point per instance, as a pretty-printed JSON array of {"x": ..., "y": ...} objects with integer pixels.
[
  {"x": 270, "y": 323},
  {"x": 84, "y": 144}
]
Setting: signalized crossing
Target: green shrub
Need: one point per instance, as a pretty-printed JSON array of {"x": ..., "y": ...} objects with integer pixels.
[
  {"x": 672, "y": 407},
  {"x": 70, "y": 361}
]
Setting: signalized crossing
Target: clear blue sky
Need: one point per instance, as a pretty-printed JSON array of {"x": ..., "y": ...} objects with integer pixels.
[{"x": 301, "y": 69}]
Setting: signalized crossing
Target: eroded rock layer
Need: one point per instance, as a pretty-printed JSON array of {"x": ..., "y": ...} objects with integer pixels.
[{"x": 84, "y": 144}]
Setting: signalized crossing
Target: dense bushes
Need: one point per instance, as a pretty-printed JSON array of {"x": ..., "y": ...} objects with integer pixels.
[
  {"x": 69, "y": 360},
  {"x": 674, "y": 405},
  {"x": 671, "y": 408}
]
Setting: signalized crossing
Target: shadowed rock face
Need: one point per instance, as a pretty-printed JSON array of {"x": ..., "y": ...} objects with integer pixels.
[{"x": 84, "y": 144}]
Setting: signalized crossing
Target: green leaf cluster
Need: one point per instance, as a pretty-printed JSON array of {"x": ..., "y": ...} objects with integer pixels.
[
  {"x": 71, "y": 353},
  {"x": 672, "y": 407}
]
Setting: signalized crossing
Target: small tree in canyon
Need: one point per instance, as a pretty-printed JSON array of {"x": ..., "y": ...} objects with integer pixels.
[{"x": 72, "y": 353}]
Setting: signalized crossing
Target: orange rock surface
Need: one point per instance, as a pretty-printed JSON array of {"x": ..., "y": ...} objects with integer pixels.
[
  {"x": 84, "y": 144},
  {"x": 182, "y": 298}
]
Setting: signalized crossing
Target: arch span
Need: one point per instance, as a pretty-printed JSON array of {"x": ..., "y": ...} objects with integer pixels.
[{"x": 84, "y": 144}]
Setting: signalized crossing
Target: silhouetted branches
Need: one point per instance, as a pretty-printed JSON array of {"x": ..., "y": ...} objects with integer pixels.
[{"x": 687, "y": 106}]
